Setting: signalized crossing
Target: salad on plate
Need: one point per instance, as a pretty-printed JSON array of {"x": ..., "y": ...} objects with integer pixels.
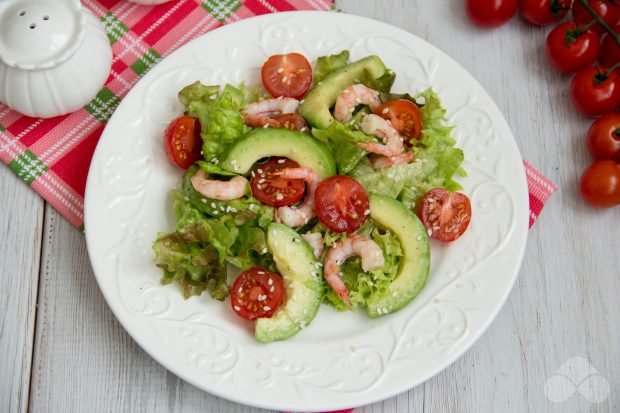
[{"x": 320, "y": 185}]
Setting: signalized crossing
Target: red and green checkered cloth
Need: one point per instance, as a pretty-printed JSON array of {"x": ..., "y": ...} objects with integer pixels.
[{"x": 53, "y": 155}]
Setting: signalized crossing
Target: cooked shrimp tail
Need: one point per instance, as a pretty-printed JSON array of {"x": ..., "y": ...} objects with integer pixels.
[{"x": 351, "y": 97}]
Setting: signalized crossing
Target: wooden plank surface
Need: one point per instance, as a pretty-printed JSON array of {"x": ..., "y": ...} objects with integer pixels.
[
  {"x": 21, "y": 228},
  {"x": 564, "y": 305}
]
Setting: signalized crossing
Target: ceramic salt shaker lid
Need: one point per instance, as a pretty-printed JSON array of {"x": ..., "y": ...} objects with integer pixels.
[{"x": 54, "y": 56}]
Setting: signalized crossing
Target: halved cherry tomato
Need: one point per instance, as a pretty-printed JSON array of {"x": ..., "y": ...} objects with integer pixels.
[
  {"x": 257, "y": 293},
  {"x": 595, "y": 93},
  {"x": 405, "y": 117},
  {"x": 569, "y": 49},
  {"x": 490, "y": 13},
  {"x": 610, "y": 51},
  {"x": 541, "y": 12},
  {"x": 182, "y": 141},
  {"x": 445, "y": 214},
  {"x": 291, "y": 121},
  {"x": 272, "y": 189},
  {"x": 288, "y": 75},
  {"x": 604, "y": 137},
  {"x": 600, "y": 184},
  {"x": 608, "y": 11},
  {"x": 341, "y": 203}
]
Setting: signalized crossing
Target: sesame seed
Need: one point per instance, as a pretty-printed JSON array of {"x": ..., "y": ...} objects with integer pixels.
[
  {"x": 237, "y": 308},
  {"x": 233, "y": 209},
  {"x": 280, "y": 70},
  {"x": 234, "y": 161},
  {"x": 303, "y": 129},
  {"x": 302, "y": 101},
  {"x": 281, "y": 161},
  {"x": 271, "y": 289},
  {"x": 265, "y": 252},
  {"x": 279, "y": 197},
  {"x": 265, "y": 126},
  {"x": 261, "y": 272},
  {"x": 222, "y": 208},
  {"x": 429, "y": 232},
  {"x": 204, "y": 201},
  {"x": 384, "y": 111},
  {"x": 266, "y": 308},
  {"x": 284, "y": 79},
  {"x": 420, "y": 237},
  {"x": 186, "y": 198},
  {"x": 213, "y": 205},
  {"x": 253, "y": 174},
  {"x": 260, "y": 171},
  {"x": 262, "y": 180},
  {"x": 270, "y": 281},
  {"x": 215, "y": 212},
  {"x": 367, "y": 212}
]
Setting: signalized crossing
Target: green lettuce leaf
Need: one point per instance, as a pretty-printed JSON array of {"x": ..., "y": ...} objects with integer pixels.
[
  {"x": 341, "y": 140},
  {"x": 220, "y": 120},
  {"x": 364, "y": 285},
  {"x": 327, "y": 64}
]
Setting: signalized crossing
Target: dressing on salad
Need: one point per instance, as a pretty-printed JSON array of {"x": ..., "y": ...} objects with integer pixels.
[{"x": 322, "y": 194}]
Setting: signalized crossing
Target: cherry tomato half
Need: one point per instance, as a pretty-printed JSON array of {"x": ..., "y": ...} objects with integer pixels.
[
  {"x": 604, "y": 137},
  {"x": 541, "y": 12},
  {"x": 405, "y": 117},
  {"x": 604, "y": 8},
  {"x": 257, "y": 293},
  {"x": 568, "y": 51},
  {"x": 274, "y": 190},
  {"x": 445, "y": 214},
  {"x": 593, "y": 93},
  {"x": 490, "y": 13},
  {"x": 341, "y": 203},
  {"x": 288, "y": 75},
  {"x": 291, "y": 121},
  {"x": 182, "y": 141},
  {"x": 600, "y": 183},
  {"x": 610, "y": 51}
]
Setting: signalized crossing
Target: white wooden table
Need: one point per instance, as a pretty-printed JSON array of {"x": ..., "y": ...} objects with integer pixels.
[{"x": 61, "y": 349}]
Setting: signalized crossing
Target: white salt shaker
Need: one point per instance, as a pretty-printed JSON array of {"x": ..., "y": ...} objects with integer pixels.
[{"x": 54, "y": 56}]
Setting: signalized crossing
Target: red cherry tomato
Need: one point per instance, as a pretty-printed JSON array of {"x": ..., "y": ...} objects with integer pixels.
[
  {"x": 593, "y": 93},
  {"x": 445, "y": 214},
  {"x": 341, "y": 203},
  {"x": 568, "y": 51},
  {"x": 405, "y": 117},
  {"x": 604, "y": 8},
  {"x": 288, "y": 75},
  {"x": 257, "y": 293},
  {"x": 271, "y": 189},
  {"x": 600, "y": 184},
  {"x": 182, "y": 141},
  {"x": 490, "y": 13},
  {"x": 291, "y": 121},
  {"x": 604, "y": 137},
  {"x": 541, "y": 12},
  {"x": 610, "y": 51}
]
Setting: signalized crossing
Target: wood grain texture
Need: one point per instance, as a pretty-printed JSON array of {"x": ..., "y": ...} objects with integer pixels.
[
  {"x": 564, "y": 304},
  {"x": 21, "y": 224}
]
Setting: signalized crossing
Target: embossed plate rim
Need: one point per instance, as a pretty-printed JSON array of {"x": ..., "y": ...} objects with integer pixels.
[{"x": 393, "y": 383}]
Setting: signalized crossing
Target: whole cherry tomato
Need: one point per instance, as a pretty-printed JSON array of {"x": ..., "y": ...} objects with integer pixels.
[
  {"x": 541, "y": 12},
  {"x": 604, "y": 137},
  {"x": 600, "y": 184},
  {"x": 610, "y": 51},
  {"x": 608, "y": 11},
  {"x": 595, "y": 92},
  {"x": 569, "y": 48},
  {"x": 490, "y": 13}
]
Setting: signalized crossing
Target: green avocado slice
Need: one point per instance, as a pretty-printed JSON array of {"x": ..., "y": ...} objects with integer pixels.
[
  {"x": 414, "y": 269},
  {"x": 262, "y": 143},
  {"x": 302, "y": 276}
]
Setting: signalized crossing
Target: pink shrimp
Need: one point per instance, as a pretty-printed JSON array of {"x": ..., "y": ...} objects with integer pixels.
[
  {"x": 222, "y": 190},
  {"x": 262, "y": 112},
  {"x": 351, "y": 97},
  {"x": 367, "y": 249},
  {"x": 392, "y": 141},
  {"x": 315, "y": 240},
  {"x": 380, "y": 161},
  {"x": 298, "y": 216}
]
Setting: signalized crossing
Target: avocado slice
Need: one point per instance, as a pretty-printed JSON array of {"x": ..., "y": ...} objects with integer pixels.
[
  {"x": 316, "y": 104},
  {"x": 302, "y": 278},
  {"x": 261, "y": 143},
  {"x": 392, "y": 215}
]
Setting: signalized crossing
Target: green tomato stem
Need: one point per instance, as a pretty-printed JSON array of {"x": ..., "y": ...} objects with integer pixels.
[{"x": 600, "y": 21}]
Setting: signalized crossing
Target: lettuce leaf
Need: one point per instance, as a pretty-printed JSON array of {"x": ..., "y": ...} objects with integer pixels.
[
  {"x": 341, "y": 140},
  {"x": 327, "y": 64},
  {"x": 220, "y": 120},
  {"x": 363, "y": 285}
]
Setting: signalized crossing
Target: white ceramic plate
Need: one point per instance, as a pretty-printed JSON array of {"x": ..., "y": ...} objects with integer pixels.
[{"x": 342, "y": 359}]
